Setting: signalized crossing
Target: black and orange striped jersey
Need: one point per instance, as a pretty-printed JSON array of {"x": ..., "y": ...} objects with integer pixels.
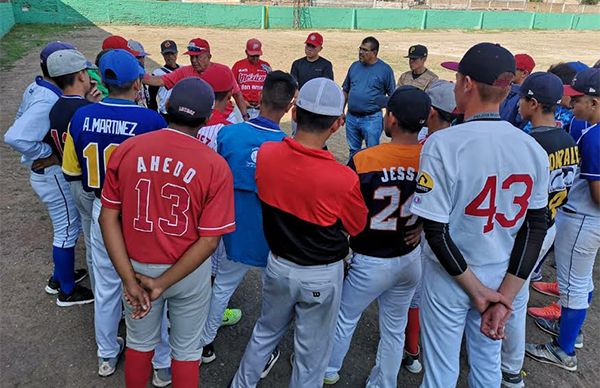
[{"x": 388, "y": 177}]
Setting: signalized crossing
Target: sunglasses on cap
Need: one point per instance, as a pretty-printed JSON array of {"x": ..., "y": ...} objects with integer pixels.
[{"x": 196, "y": 49}]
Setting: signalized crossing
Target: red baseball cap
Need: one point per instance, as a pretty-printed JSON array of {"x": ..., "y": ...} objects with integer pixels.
[
  {"x": 315, "y": 39},
  {"x": 219, "y": 77},
  {"x": 253, "y": 47},
  {"x": 524, "y": 62},
  {"x": 118, "y": 42},
  {"x": 197, "y": 46}
]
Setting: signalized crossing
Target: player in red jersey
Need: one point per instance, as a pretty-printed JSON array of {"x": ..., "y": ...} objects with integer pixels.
[
  {"x": 167, "y": 199},
  {"x": 250, "y": 74}
]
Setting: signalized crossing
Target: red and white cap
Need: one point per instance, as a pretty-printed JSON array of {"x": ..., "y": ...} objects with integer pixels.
[
  {"x": 253, "y": 47},
  {"x": 197, "y": 46},
  {"x": 315, "y": 39},
  {"x": 114, "y": 42}
]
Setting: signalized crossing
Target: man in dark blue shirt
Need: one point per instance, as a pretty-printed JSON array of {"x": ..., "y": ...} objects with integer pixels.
[{"x": 367, "y": 79}]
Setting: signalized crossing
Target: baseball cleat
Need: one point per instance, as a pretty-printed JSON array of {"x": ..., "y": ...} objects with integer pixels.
[
  {"x": 270, "y": 363},
  {"x": 331, "y": 379},
  {"x": 512, "y": 380},
  {"x": 546, "y": 288},
  {"x": 551, "y": 353},
  {"x": 411, "y": 363},
  {"x": 80, "y": 295},
  {"x": 552, "y": 327},
  {"x": 161, "y": 377},
  {"x": 231, "y": 317},
  {"x": 208, "y": 354},
  {"x": 108, "y": 366},
  {"x": 552, "y": 311},
  {"x": 53, "y": 285}
]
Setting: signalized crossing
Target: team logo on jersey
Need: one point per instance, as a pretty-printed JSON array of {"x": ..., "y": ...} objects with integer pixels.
[
  {"x": 424, "y": 183},
  {"x": 253, "y": 154}
]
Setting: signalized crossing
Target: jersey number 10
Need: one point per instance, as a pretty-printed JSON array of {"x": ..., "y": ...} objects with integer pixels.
[{"x": 475, "y": 208}]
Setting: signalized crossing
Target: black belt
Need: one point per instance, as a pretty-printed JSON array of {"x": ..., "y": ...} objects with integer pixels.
[{"x": 363, "y": 114}]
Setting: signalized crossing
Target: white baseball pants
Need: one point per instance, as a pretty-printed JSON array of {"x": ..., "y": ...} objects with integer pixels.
[{"x": 84, "y": 202}]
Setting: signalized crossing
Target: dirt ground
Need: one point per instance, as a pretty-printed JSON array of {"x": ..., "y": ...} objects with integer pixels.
[{"x": 42, "y": 345}]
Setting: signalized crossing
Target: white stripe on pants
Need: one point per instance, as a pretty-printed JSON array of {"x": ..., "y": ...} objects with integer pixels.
[
  {"x": 392, "y": 281},
  {"x": 513, "y": 346},
  {"x": 108, "y": 308},
  {"x": 310, "y": 297}
]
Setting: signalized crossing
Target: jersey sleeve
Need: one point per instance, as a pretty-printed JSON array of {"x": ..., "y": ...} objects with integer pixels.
[
  {"x": 218, "y": 216},
  {"x": 172, "y": 78},
  {"x": 27, "y": 132},
  {"x": 70, "y": 162},
  {"x": 589, "y": 150},
  {"x": 433, "y": 194},
  {"x": 354, "y": 211},
  {"x": 111, "y": 192}
]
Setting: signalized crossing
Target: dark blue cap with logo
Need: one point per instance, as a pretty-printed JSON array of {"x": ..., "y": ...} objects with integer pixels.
[
  {"x": 408, "y": 104},
  {"x": 119, "y": 67},
  {"x": 546, "y": 88},
  {"x": 191, "y": 98},
  {"x": 53, "y": 47},
  {"x": 586, "y": 82}
]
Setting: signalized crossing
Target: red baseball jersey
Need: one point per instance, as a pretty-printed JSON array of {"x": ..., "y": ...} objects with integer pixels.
[
  {"x": 171, "y": 189},
  {"x": 251, "y": 77},
  {"x": 183, "y": 72}
]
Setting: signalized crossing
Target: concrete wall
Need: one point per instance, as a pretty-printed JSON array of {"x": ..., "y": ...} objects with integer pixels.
[
  {"x": 255, "y": 16},
  {"x": 7, "y": 19}
]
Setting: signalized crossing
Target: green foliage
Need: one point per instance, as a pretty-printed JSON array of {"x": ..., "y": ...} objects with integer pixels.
[{"x": 590, "y": 2}]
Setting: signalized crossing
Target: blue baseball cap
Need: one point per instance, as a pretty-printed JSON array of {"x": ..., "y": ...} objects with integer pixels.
[
  {"x": 546, "y": 88},
  {"x": 586, "y": 82},
  {"x": 484, "y": 63},
  {"x": 53, "y": 47},
  {"x": 191, "y": 98},
  {"x": 118, "y": 67}
]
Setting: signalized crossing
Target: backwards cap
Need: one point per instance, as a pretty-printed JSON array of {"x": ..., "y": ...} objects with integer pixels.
[
  {"x": 119, "y": 67},
  {"x": 52, "y": 47},
  {"x": 321, "y": 96},
  {"x": 191, "y": 98}
]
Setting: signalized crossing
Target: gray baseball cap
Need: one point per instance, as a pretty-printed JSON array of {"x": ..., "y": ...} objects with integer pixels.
[
  {"x": 442, "y": 95},
  {"x": 137, "y": 46},
  {"x": 321, "y": 96},
  {"x": 68, "y": 61}
]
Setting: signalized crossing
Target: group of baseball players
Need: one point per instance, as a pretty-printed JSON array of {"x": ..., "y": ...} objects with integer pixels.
[{"x": 180, "y": 191}]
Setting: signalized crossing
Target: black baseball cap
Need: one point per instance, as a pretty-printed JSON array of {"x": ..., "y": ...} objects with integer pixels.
[
  {"x": 484, "y": 63},
  {"x": 168, "y": 46},
  {"x": 408, "y": 104},
  {"x": 191, "y": 98},
  {"x": 586, "y": 82},
  {"x": 546, "y": 88},
  {"x": 417, "y": 51}
]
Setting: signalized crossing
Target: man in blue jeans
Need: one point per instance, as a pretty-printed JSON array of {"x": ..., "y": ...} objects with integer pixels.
[{"x": 367, "y": 79}]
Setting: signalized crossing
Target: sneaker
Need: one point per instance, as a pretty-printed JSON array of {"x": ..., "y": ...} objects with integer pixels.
[
  {"x": 512, "y": 380},
  {"x": 231, "y": 317},
  {"x": 411, "y": 362},
  {"x": 551, "y": 311},
  {"x": 208, "y": 354},
  {"x": 331, "y": 379},
  {"x": 552, "y": 327},
  {"x": 53, "y": 285},
  {"x": 272, "y": 360},
  {"x": 546, "y": 288},
  {"x": 551, "y": 353},
  {"x": 536, "y": 277},
  {"x": 80, "y": 295},
  {"x": 161, "y": 377},
  {"x": 108, "y": 366}
]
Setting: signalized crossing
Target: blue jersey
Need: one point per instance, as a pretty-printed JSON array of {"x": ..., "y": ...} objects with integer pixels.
[
  {"x": 239, "y": 144},
  {"x": 577, "y": 127},
  {"x": 95, "y": 132}
]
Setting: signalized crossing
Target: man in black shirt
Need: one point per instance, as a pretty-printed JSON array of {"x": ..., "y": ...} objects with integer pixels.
[{"x": 312, "y": 65}]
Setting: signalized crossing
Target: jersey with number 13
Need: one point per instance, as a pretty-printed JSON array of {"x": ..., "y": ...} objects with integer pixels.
[{"x": 96, "y": 131}]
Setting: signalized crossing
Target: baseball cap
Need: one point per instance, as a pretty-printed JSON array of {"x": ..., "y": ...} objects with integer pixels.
[
  {"x": 546, "y": 88},
  {"x": 220, "y": 78},
  {"x": 168, "y": 46},
  {"x": 442, "y": 97},
  {"x": 197, "y": 46},
  {"x": 52, "y": 47},
  {"x": 410, "y": 105},
  {"x": 191, "y": 98},
  {"x": 315, "y": 39},
  {"x": 69, "y": 61},
  {"x": 417, "y": 51},
  {"x": 321, "y": 96},
  {"x": 484, "y": 63},
  {"x": 586, "y": 82},
  {"x": 118, "y": 42},
  {"x": 524, "y": 62},
  {"x": 577, "y": 65},
  {"x": 137, "y": 46},
  {"x": 254, "y": 47},
  {"x": 119, "y": 67}
]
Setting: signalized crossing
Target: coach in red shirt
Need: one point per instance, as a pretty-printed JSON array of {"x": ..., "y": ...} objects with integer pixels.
[
  {"x": 250, "y": 74},
  {"x": 306, "y": 229},
  {"x": 166, "y": 201}
]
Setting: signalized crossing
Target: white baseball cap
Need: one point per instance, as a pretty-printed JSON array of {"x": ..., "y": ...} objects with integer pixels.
[
  {"x": 321, "y": 96},
  {"x": 68, "y": 61}
]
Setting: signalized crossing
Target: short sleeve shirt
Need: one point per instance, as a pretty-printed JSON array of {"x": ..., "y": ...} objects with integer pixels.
[
  {"x": 364, "y": 83},
  {"x": 251, "y": 78},
  {"x": 304, "y": 70},
  {"x": 423, "y": 81}
]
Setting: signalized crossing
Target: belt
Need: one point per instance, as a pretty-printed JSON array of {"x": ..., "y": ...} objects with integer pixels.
[{"x": 363, "y": 114}]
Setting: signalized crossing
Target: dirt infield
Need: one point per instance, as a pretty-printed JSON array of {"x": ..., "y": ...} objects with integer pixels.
[{"x": 42, "y": 345}]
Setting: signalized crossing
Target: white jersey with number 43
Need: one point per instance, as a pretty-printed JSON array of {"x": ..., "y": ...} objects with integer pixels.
[{"x": 480, "y": 177}]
